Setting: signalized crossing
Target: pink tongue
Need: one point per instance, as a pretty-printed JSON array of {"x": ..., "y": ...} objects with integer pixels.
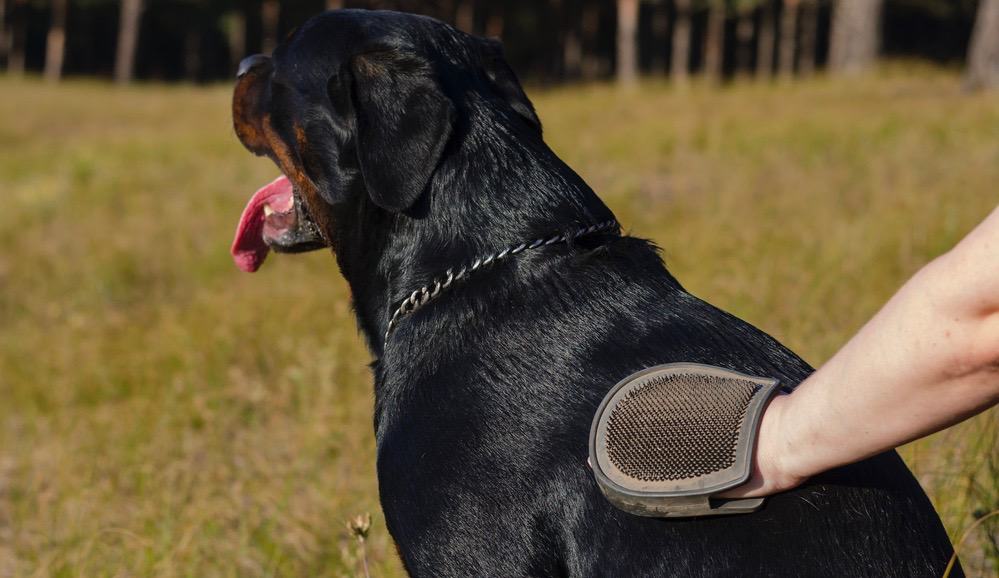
[{"x": 248, "y": 248}]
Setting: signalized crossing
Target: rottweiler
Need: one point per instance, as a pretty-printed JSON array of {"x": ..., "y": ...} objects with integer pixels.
[{"x": 501, "y": 302}]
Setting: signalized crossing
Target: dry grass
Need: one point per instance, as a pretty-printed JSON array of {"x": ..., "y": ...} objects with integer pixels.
[{"x": 162, "y": 414}]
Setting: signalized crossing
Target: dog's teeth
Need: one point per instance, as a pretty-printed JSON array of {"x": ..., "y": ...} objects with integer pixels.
[{"x": 268, "y": 211}]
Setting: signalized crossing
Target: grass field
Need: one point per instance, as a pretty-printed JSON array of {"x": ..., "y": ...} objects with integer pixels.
[{"x": 162, "y": 414}]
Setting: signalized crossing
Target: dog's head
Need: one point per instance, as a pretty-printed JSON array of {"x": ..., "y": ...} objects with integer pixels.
[{"x": 357, "y": 103}]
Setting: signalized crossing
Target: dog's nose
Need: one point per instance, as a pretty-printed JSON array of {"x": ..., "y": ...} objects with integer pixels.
[{"x": 251, "y": 62}]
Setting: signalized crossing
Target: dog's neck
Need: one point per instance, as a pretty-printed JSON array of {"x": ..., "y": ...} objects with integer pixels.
[{"x": 498, "y": 184}]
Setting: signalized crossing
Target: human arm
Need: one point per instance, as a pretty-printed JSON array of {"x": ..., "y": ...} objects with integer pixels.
[{"x": 927, "y": 360}]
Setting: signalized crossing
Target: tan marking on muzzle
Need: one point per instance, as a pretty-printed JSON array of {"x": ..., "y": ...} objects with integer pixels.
[
  {"x": 287, "y": 161},
  {"x": 254, "y": 128}
]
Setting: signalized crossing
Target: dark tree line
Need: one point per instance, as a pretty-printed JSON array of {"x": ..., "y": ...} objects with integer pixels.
[{"x": 547, "y": 40}]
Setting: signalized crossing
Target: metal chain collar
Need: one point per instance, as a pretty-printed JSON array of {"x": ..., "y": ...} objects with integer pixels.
[{"x": 428, "y": 293}]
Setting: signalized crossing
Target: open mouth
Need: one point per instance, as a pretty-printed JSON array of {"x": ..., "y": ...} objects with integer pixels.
[{"x": 274, "y": 218}]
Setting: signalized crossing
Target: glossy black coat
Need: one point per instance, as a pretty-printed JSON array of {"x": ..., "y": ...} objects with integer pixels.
[{"x": 424, "y": 152}]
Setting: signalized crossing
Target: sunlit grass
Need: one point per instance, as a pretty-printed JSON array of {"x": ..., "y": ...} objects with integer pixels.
[{"x": 162, "y": 414}]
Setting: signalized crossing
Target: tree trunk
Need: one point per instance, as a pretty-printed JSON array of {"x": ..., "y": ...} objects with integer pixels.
[
  {"x": 983, "y": 54},
  {"x": 3, "y": 30},
  {"x": 443, "y": 10},
  {"x": 55, "y": 42},
  {"x": 572, "y": 43},
  {"x": 627, "y": 41},
  {"x": 765, "y": 47},
  {"x": 809, "y": 37},
  {"x": 572, "y": 54},
  {"x": 744, "y": 42},
  {"x": 680, "y": 58},
  {"x": 856, "y": 36},
  {"x": 660, "y": 37},
  {"x": 128, "y": 40},
  {"x": 235, "y": 32},
  {"x": 18, "y": 33},
  {"x": 192, "y": 54},
  {"x": 591, "y": 28},
  {"x": 494, "y": 21},
  {"x": 334, "y": 4},
  {"x": 714, "y": 41},
  {"x": 465, "y": 17},
  {"x": 270, "y": 17},
  {"x": 788, "y": 38}
]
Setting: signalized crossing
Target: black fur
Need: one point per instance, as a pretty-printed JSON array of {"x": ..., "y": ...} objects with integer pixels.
[{"x": 427, "y": 153}]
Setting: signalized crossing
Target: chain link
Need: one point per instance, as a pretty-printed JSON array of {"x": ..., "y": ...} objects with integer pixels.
[{"x": 417, "y": 299}]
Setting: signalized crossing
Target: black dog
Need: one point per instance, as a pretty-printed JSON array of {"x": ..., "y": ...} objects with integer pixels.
[{"x": 411, "y": 149}]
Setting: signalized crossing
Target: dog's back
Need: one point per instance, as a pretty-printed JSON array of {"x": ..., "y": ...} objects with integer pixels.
[{"x": 492, "y": 444}]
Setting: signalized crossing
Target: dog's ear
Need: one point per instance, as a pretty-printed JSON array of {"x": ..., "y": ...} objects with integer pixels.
[
  {"x": 505, "y": 80},
  {"x": 403, "y": 121}
]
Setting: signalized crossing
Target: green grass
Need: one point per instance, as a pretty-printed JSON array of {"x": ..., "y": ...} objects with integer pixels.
[{"x": 162, "y": 414}]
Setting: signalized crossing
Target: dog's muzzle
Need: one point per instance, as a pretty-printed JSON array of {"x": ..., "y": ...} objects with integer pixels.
[{"x": 668, "y": 438}]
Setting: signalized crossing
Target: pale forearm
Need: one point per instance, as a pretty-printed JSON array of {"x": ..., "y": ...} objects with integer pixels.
[
  {"x": 927, "y": 360},
  {"x": 867, "y": 399}
]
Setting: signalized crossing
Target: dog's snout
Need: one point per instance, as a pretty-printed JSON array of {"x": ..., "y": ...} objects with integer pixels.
[{"x": 251, "y": 62}]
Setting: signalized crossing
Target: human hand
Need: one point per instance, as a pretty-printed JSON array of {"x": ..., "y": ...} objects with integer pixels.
[{"x": 771, "y": 474}]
